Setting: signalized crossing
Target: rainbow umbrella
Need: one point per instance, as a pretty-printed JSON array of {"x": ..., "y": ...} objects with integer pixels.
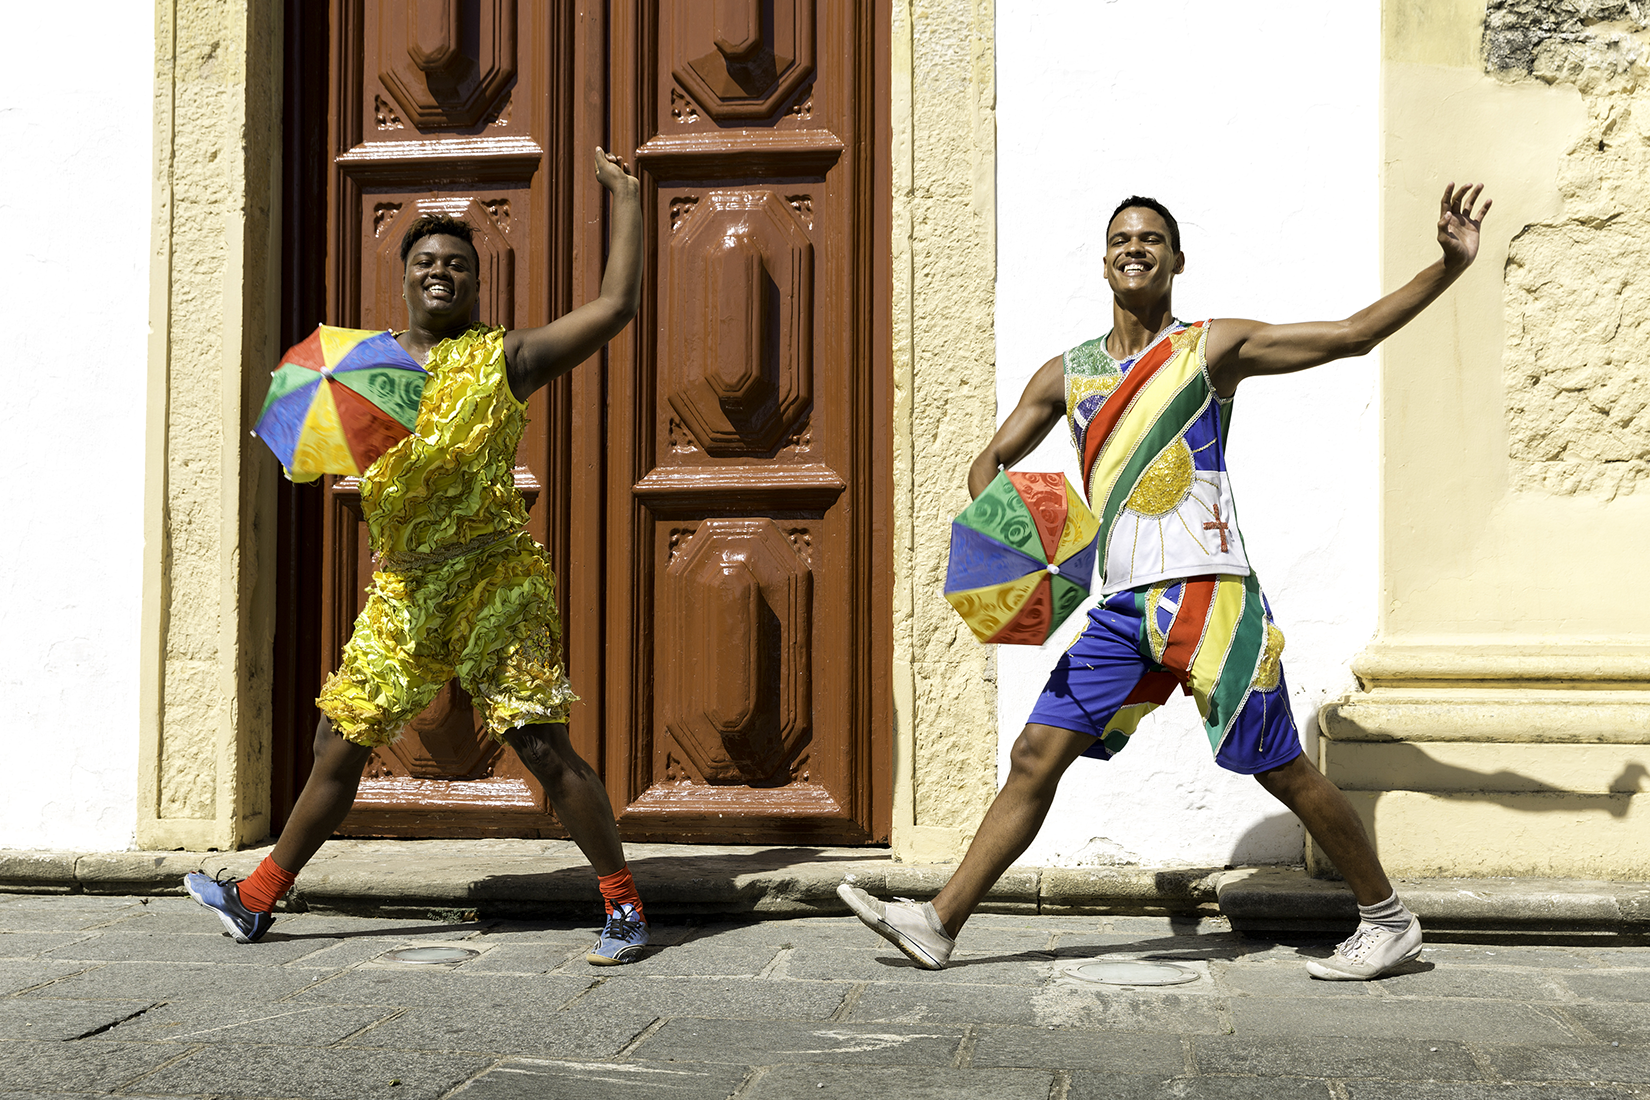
[
  {"x": 339, "y": 400},
  {"x": 1022, "y": 558}
]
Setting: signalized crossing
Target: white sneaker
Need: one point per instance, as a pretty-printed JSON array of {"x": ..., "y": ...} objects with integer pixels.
[
  {"x": 1369, "y": 953},
  {"x": 914, "y": 929}
]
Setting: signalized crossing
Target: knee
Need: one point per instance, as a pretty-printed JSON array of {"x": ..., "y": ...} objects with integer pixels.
[
  {"x": 1284, "y": 782},
  {"x": 331, "y": 749},
  {"x": 548, "y": 757},
  {"x": 1032, "y": 760}
]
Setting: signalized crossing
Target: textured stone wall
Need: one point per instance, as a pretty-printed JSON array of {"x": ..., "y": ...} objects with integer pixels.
[
  {"x": 944, "y": 268},
  {"x": 1501, "y": 717},
  {"x": 1578, "y": 285},
  {"x": 214, "y": 286}
]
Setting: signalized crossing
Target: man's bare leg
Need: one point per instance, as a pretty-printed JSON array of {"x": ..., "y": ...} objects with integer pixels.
[
  {"x": 1040, "y": 757},
  {"x": 1329, "y": 817},
  {"x": 1388, "y": 934},
  {"x": 244, "y": 906},
  {"x": 580, "y": 800},
  {"x": 328, "y": 794},
  {"x": 575, "y": 791}
]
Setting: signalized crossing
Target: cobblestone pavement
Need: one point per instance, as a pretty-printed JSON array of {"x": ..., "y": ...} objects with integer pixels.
[{"x": 145, "y": 997}]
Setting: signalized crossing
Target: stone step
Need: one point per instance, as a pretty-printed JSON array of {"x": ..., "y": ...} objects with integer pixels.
[{"x": 540, "y": 878}]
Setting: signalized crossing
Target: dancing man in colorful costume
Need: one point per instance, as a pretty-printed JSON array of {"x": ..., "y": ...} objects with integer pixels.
[
  {"x": 461, "y": 588},
  {"x": 1149, "y": 405}
]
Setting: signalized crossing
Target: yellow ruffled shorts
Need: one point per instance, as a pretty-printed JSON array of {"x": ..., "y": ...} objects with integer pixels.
[{"x": 486, "y": 615}]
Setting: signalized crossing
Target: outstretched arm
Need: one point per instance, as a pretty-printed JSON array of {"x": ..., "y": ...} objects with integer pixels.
[
  {"x": 536, "y": 355},
  {"x": 1041, "y": 406},
  {"x": 1238, "y": 348}
]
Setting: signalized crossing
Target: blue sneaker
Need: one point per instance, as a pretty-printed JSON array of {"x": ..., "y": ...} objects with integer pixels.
[
  {"x": 623, "y": 937},
  {"x": 221, "y": 896}
]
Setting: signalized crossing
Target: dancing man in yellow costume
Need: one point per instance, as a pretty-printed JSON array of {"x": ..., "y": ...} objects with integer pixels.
[{"x": 461, "y": 589}]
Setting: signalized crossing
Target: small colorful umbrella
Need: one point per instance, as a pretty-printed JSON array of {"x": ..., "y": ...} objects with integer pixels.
[
  {"x": 339, "y": 400},
  {"x": 1022, "y": 558}
]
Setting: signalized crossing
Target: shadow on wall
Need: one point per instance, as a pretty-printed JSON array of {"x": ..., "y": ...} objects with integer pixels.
[
  {"x": 1426, "y": 774},
  {"x": 1262, "y": 841}
]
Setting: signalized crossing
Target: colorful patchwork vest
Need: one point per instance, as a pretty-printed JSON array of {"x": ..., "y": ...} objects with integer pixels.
[{"x": 1151, "y": 434}]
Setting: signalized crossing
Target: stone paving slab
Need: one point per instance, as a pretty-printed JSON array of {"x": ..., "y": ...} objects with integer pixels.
[
  {"x": 1386, "y": 1018},
  {"x": 63, "y": 1020},
  {"x": 178, "y": 980},
  {"x": 1614, "y": 1023},
  {"x": 723, "y": 998},
  {"x": 1457, "y": 1090},
  {"x": 769, "y": 1042},
  {"x": 524, "y": 1079},
  {"x": 1581, "y": 1065},
  {"x": 927, "y": 1002},
  {"x": 90, "y": 1063},
  {"x": 1105, "y": 1086},
  {"x": 1404, "y": 1059},
  {"x": 320, "y": 1073},
  {"x": 198, "y": 1023},
  {"x": 543, "y": 1031},
  {"x": 1058, "y": 1048},
  {"x": 905, "y": 1082}
]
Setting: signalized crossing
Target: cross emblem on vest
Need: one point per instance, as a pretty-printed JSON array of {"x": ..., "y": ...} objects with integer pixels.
[{"x": 1218, "y": 524}]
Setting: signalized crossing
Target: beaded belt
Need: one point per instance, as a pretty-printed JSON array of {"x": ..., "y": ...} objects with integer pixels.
[{"x": 409, "y": 560}]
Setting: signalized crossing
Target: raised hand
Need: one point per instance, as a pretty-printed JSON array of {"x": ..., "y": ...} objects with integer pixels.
[
  {"x": 612, "y": 174},
  {"x": 1458, "y": 226}
]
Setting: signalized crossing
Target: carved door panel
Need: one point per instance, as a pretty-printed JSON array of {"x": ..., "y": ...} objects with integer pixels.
[
  {"x": 748, "y": 431},
  {"x": 449, "y": 106}
]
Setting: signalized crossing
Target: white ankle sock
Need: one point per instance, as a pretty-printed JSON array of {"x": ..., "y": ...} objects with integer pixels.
[{"x": 1390, "y": 914}]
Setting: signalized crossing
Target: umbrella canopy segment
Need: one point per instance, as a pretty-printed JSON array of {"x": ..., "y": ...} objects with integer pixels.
[
  {"x": 1022, "y": 558},
  {"x": 338, "y": 400}
]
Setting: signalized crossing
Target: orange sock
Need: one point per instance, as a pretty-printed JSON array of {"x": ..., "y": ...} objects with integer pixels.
[
  {"x": 264, "y": 887},
  {"x": 619, "y": 888}
]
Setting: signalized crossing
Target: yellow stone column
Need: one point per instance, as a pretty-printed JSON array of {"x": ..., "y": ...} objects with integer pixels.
[
  {"x": 209, "y": 506},
  {"x": 944, "y": 286},
  {"x": 1504, "y": 723}
]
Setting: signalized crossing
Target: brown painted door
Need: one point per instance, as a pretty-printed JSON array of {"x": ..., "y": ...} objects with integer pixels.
[
  {"x": 715, "y": 487},
  {"x": 747, "y": 609},
  {"x": 456, "y": 106}
]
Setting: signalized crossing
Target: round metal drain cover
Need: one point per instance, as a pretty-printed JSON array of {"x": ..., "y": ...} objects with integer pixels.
[
  {"x": 1129, "y": 972},
  {"x": 431, "y": 955}
]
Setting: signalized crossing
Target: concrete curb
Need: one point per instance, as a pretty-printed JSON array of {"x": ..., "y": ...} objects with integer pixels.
[{"x": 534, "y": 878}]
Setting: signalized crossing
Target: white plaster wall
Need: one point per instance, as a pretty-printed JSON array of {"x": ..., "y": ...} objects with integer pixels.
[
  {"x": 76, "y": 199},
  {"x": 1258, "y": 126}
]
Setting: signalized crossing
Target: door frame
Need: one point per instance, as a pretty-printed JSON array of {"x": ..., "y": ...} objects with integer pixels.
[{"x": 579, "y": 415}]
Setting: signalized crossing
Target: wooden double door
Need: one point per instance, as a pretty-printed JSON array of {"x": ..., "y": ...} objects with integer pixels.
[{"x": 715, "y": 487}]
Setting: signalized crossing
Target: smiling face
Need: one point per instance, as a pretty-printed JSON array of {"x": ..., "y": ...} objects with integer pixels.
[
  {"x": 1140, "y": 262},
  {"x": 441, "y": 282}
]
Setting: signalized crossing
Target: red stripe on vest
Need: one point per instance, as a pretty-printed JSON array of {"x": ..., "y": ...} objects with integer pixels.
[{"x": 1118, "y": 403}]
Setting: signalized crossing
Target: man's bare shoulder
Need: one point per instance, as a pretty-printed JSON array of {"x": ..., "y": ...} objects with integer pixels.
[
  {"x": 1226, "y": 335},
  {"x": 1047, "y": 385}
]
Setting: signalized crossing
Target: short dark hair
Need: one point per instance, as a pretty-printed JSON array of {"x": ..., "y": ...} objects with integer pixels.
[
  {"x": 431, "y": 225},
  {"x": 1149, "y": 204}
]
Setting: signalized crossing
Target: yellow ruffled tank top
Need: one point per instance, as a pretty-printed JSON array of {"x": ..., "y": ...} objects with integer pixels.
[{"x": 452, "y": 481}]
